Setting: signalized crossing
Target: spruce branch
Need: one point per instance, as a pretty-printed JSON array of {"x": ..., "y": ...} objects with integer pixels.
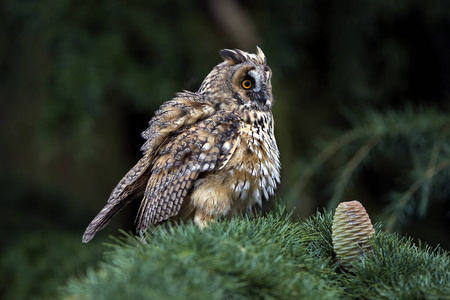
[
  {"x": 399, "y": 206},
  {"x": 413, "y": 140},
  {"x": 324, "y": 155},
  {"x": 262, "y": 257},
  {"x": 349, "y": 168},
  {"x": 437, "y": 147}
]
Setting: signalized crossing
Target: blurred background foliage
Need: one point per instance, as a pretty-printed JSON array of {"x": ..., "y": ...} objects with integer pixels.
[{"x": 362, "y": 92}]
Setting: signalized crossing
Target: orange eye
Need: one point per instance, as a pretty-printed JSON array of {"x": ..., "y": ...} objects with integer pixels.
[{"x": 246, "y": 84}]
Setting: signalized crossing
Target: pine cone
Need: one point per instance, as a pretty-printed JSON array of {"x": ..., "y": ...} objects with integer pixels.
[{"x": 350, "y": 231}]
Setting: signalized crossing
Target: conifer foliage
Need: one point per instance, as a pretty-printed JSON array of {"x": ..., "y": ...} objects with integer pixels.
[
  {"x": 411, "y": 149},
  {"x": 266, "y": 257}
]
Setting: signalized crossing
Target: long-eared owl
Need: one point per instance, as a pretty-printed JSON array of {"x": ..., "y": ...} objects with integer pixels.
[{"x": 207, "y": 155}]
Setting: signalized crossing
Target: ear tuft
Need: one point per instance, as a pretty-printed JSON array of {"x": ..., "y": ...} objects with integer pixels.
[
  {"x": 232, "y": 57},
  {"x": 260, "y": 53}
]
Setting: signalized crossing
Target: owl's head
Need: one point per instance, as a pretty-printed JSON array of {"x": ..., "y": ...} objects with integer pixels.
[{"x": 242, "y": 78}]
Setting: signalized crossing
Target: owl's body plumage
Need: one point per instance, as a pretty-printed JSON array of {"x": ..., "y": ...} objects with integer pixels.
[{"x": 208, "y": 154}]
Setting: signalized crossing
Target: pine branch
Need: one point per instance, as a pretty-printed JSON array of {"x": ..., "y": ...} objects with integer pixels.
[
  {"x": 267, "y": 257},
  {"x": 414, "y": 140},
  {"x": 437, "y": 147},
  {"x": 401, "y": 204},
  {"x": 324, "y": 155},
  {"x": 349, "y": 168}
]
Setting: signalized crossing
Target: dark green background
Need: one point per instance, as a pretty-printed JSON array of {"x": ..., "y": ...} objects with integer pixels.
[{"x": 79, "y": 81}]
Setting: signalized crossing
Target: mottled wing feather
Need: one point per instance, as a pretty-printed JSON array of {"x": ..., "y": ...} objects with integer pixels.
[
  {"x": 131, "y": 186},
  {"x": 185, "y": 109},
  {"x": 199, "y": 148}
]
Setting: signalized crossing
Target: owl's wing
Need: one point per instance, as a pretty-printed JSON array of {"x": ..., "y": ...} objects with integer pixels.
[
  {"x": 131, "y": 186},
  {"x": 185, "y": 109},
  {"x": 199, "y": 148}
]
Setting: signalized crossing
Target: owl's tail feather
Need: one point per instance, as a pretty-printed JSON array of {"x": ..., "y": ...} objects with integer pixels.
[
  {"x": 130, "y": 187},
  {"x": 102, "y": 219}
]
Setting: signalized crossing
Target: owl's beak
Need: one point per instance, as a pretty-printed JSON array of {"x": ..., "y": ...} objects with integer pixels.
[{"x": 261, "y": 99}]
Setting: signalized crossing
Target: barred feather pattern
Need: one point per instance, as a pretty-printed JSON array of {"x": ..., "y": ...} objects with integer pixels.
[{"x": 208, "y": 154}]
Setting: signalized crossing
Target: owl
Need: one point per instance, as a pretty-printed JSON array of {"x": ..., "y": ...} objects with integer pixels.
[{"x": 208, "y": 155}]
